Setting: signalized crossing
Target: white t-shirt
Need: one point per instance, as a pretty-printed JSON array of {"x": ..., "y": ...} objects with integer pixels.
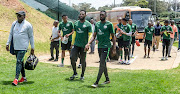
[
  {"x": 55, "y": 33},
  {"x": 93, "y": 28}
]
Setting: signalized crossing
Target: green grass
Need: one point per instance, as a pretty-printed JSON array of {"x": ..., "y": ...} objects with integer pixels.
[{"x": 47, "y": 78}]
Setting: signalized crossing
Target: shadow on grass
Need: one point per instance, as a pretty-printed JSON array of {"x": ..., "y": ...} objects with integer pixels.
[
  {"x": 10, "y": 83},
  {"x": 75, "y": 80}
]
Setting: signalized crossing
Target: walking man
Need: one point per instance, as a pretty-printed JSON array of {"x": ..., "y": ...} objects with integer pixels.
[
  {"x": 21, "y": 33},
  {"x": 166, "y": 30},
  {"x": 148, "y": 35},
  {"x": 134, "y": 31},
  {"x": 119, "y": 38},
  {"x": 157, "y": 36},
  {"x": 67, "y": 29},
  {"x": 103, "y": 30},
  {"x": 126, "y": 33},
  {"x": 54, "y": 41},
  {"x": 83, "y": 30},
  {"x": 175, "y": 29}
]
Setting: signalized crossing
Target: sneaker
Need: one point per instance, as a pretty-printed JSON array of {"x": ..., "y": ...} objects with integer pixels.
[
  {"x": 79, "y": 66},
  {"x": 94, "y": 85},
  {"x": 91, "y": 53},
  {"x": 128, "y": 63},
  {"x": 22, "y": 80},
  {"x": 169, "y": 56},
  {"x": 166, "y": 58},
  {"x": 124, "y": 62},
  {"x": 144, "y": 56},
  {"x": 132, "y": 56},
  {"x": 60, "y": 65},
  {"x": 148, "y": 57},
  {"x": 81, "y": 78},
  {"x": 56, "y": 59},
  {"x": 162, "y": 58},
  {"x": 15, "y": 82},
  {"x": 73, "y": 76},
  {"x": 106, "y": 82},
  {"x": 120, "y": 61},
  {"x": 51, "y": 59},
  {"x": 157, "y": 49}
]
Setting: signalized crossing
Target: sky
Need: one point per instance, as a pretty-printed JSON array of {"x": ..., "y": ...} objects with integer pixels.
[
  {"x": 95, "y": 3},
  {"x": 98, "y": 3}
]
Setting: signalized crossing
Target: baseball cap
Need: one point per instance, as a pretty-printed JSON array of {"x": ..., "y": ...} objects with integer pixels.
[{"x": 21, "y": 13}]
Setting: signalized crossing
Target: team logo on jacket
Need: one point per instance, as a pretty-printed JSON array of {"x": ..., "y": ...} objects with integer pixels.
[
  {"x": 67, "y": 25},
  {"x": 64, "y": 29},
  {"x": 105, "y": 27},
  {"x": 84, "y": 25},
  {"x": 100, "y": 32},
  {"x": 80, "y": 31}
]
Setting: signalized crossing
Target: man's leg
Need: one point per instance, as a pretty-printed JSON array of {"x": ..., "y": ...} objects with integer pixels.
[
  {"x": 73, "y": 57},
  {"x": 57, "y": 50},
  {"x": 51, "y": 49},
  {"x": 102, "y": 67},
  {"x": 167, "y": 47},
  {"x": 92, "y": 46},
  {"x": 145, "y": 44},
  {"x": 170, "y": 46},
  {"x": 20, "y": 57},
  {"x": 149, "y": 47},
  {"x": 83, "y": 61},
  {"x": 23, "y": 70},
  {"x": 179, "y": 42}
]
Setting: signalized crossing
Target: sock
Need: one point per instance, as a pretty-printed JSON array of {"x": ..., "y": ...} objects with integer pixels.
[
  {"x": 62, "y": 60},
  {"x": 121, "y": 54}
]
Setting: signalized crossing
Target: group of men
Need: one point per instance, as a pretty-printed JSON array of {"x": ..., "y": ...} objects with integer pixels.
[{"x": 125, "y": 31}]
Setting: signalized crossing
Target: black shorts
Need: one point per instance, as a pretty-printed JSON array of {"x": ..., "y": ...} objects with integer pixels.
[
  {"x": 147, "y": 42},
  {"x": 133, "y": 40},
  {"x": 120, "y": 43},
  {"x": 166, "y": 42},
  {"x": 66, "y": 46},
  {"x": 126, "y": 44}
]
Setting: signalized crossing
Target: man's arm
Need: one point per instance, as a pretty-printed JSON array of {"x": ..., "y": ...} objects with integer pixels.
[{"x": 31, "y": 38}]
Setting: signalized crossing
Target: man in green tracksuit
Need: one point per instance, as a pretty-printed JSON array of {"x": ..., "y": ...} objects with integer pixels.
[
  {"x": 83, "y": 31},
  {"x": 103, "y": 30},
  {"x": 134, "y": 31},
  {"x": 126, "y": 32},
  {"x": 165, "y": 31},
  {"x": 149, "y": 32},
  {"x": 67, "y": 29},
  {"x": 119, "y": 37}
]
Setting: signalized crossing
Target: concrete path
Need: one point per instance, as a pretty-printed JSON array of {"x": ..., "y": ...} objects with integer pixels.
[{"x": 137, "y": 63}]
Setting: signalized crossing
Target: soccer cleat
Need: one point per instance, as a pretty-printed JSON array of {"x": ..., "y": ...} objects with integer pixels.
[
  {"x": 79, "y": 66},
  {"x": 166, "y": 58},
  {"x": 15, "y": 82},
  {"x": 56, "y": 59},
  {"x": 106, "y": 82},
  {"x": 22, "y": 80},
  {"x": 81, "y": 78},
  {"x": 60, "y": 65},
  {"x": 94, "y": 85},
  {"x": 51, "y": 59},
  {"x": 162, "y": 58},
  {"x": 73, "y": 76}
]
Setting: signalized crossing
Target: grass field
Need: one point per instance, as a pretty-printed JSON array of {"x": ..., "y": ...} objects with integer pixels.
[{"x": 47, "y": 78}]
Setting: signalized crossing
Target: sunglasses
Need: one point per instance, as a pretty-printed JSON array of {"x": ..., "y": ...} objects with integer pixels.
[{"x": 19, "y": 15}]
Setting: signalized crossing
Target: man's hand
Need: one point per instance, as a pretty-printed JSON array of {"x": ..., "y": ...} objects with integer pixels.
[
  {"x": 67, "y": 35},
  {"x": 32, "y": 51},
  {"x": 52, "y": 40},
  {"x": 7, "y": 47},
  {"x": 87, "y": 47}
]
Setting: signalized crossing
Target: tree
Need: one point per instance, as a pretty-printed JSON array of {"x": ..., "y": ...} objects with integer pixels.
[
  {"x": 84, "y": 6},
  {"x": 106, "y": 7}
]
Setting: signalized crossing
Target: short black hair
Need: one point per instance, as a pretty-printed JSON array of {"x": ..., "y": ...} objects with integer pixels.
[
  {"x": 83, "y": 10},
  {"x": 166, "y": 21},
  {"x": 103, "y": 11},
  {"x": 64, "y": 15},
  {"x": 124, "y": 19}
]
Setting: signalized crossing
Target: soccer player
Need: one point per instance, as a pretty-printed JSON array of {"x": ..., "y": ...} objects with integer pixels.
[
  {"x": 134, "y": 31},
  {"x": 166, "y": 30},
  {"x": 67, "y": 29},
  {"x": 148, "y": 34},
  {"x": 119, "y": 38},
  {"x": 126, "y": 32},
  {"x": 103, "y": 30},
  {"x": 83, "y": 30}
]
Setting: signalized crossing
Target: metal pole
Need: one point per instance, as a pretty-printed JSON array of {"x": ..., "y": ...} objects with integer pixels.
[
  {"x": 155, "y": 6},
  {"x": 58, "y": 10}
]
